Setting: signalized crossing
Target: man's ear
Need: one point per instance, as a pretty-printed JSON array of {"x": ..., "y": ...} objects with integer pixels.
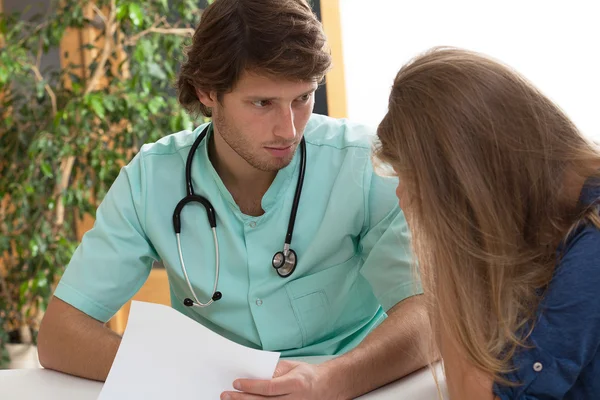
[{"x": 209, "y": 99}]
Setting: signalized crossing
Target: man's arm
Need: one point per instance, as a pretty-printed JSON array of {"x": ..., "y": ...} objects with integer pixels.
[
  {"x": 109, "y": 266},
  {"x": 70, "y": 341},
  {"x": 399, "y": 345},
  {"x": 394, "y": 349}
]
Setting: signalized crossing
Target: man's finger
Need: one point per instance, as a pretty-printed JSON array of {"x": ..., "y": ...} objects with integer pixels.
[
  {"x": 246, "y": 396},
  {"x": 268, "y": 388}
]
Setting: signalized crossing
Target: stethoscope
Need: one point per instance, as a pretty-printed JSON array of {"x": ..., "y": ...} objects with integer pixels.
[{"x": 284, "y": 261}]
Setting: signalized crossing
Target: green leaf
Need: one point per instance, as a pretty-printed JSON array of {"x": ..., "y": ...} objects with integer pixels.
[
  {"x": 155, "y": 104},
  {"x": 97, "y": 106},
  {"x": 40, "y": 91},
  {"x": 76, "y": 87},
  {"x": 60, "y": 116},
  {"x": 47, "y": 170},
  {"x": 42, "y": 280},
  {"x": 33, "y": 140},
  {"x": 63, "y": 130},
  {"x": 23, "y": 289},
  {"x": 135, "y": 14},
  {"x": 156, "y": 71},
  {"x": 186, "y": 122},
  {"x": 109, "y": 103},
  {"x": 143, "y": 51},
  {"x": 176, "y": 123},
  {"x": 122, "y": 11},
  {"x": 46, "y": 43},
  {"x": 147, "y": 86},
  {"x": 3, "y": 75}
]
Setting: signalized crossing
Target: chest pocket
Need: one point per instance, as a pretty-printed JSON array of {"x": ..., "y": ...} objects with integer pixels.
[{"x": 336, "y": 301}]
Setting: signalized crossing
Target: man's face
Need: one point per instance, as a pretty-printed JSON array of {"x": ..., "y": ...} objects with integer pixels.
[{"x": 263, "y": 118}]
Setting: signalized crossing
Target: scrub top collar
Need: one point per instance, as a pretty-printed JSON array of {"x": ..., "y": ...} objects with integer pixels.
[{"x": 276, "y": 191}]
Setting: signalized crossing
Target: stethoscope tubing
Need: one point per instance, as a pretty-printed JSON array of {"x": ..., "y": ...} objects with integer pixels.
[{"x": 211, "y": 215}]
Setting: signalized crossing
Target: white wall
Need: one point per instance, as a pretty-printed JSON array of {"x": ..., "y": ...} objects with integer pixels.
[{"x": 554, "y": 43}]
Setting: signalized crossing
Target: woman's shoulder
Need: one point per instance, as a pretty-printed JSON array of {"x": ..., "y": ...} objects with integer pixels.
[
  {"x": 565, "y": 339},
  {"x": 583, "y": 242}
]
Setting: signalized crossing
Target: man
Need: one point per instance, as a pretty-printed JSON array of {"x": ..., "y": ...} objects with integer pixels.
[{"x": 254, "y": 67}]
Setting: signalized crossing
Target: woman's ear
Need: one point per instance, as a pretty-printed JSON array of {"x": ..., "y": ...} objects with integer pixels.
[{"x": 209, "y": 99}]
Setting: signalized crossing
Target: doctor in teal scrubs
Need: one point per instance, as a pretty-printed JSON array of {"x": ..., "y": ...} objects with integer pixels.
[{"x": 347, "y": 288}]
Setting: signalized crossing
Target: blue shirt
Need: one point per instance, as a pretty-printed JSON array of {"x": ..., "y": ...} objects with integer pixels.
[
  {"x": 352, "y": 241},
  {"x": 564, "y": 362}
]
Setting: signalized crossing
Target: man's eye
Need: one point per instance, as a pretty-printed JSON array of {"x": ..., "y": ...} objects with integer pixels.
[
  {"x": 261, "y": 103},
  {"x": 305, "y": 98}
]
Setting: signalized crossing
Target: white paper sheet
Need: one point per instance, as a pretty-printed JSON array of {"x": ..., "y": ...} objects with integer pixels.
[{"x": 166, "y": 355}]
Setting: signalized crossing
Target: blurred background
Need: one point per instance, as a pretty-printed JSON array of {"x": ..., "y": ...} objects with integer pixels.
[
  {"x": 83, "y": 84},
  {"x": 553, "y": 43}
]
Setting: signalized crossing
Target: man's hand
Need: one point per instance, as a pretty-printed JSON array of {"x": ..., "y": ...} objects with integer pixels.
[
  {"x": 291, "y": 381},
  {"x": 394, "y": 349}
]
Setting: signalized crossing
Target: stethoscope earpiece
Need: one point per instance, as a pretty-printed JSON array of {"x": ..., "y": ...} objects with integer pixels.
[{"x": 189, "y": 302}]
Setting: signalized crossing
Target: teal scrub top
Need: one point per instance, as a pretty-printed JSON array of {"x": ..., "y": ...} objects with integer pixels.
[{"x": 351, "y": 238}]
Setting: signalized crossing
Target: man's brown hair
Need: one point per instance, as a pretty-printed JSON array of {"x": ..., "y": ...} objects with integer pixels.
[{"x": 282, "y": 38}]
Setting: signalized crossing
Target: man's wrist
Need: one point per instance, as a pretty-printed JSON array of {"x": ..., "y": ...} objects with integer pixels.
[
  {"x": 332, "y": 386},
  {"x": 338, "y": 376}
]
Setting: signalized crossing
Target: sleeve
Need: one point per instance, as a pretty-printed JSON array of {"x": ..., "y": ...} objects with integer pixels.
[
  {"x": 115, "y": 257},
  {"x": 565, "y": 339},
  {"x": 385, "y": 243}
]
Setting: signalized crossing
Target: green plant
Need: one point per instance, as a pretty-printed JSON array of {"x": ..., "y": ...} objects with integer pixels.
[{"x": 65, "y": 134}]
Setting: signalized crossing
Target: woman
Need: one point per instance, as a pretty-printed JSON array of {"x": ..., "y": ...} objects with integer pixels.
[{"x": 501, "y": 192}]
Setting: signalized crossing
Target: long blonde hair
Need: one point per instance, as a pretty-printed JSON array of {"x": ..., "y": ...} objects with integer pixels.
[{"x": 483, "y": 156}]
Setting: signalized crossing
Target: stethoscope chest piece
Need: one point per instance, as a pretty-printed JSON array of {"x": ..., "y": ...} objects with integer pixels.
[{"x": 285, "y": 264}]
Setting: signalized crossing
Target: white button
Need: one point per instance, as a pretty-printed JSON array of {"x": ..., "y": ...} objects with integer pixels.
[
  {"x": 537, "y": 367},
  {"x": 258, "y": 302},
  {"x": 252, "y": 224}
]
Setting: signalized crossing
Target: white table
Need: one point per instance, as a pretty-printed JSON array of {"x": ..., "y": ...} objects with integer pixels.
[{"x": 42, "y": 384}]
